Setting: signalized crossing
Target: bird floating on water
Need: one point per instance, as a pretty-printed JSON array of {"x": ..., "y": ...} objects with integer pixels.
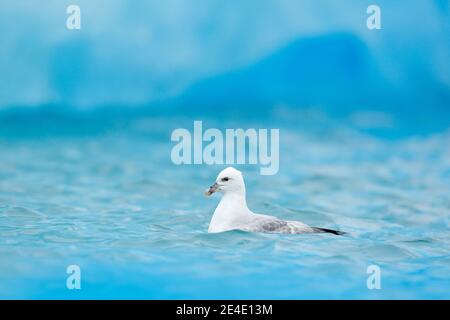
[{"x": 232, "y": 212}]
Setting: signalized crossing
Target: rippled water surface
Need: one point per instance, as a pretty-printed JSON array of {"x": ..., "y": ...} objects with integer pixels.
[{"x": 112, "y": 202}]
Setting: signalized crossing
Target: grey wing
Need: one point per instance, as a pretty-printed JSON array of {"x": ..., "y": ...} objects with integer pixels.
[{"x": 273, "y": 225}]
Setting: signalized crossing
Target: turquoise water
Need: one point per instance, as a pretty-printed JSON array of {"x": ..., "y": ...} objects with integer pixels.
[{"x": 106, "y": 197}]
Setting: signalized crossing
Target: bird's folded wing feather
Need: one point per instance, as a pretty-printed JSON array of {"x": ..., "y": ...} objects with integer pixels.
[{"x": 273, "y": 225}]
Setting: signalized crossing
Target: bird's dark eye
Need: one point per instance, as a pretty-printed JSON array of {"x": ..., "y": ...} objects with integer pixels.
[{"x": 225, "y": 179}]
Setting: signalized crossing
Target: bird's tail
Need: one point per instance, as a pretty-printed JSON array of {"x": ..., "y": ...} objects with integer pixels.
[{"x": 323, "y": 230}]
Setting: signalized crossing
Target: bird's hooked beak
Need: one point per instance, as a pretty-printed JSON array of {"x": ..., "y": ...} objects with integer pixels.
[{"x": 212, "y": 189}]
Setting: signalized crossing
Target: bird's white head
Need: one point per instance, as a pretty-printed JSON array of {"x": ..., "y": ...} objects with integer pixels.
[{"x": 229, "y": 180}]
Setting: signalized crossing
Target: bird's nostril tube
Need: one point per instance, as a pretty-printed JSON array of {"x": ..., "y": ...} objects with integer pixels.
[{"x": 211, "y": 189}]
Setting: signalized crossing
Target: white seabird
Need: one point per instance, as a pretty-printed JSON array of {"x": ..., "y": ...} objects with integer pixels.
[{"x": 232, "y": 212}]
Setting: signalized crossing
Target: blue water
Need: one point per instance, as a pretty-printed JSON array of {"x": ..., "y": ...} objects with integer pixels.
[
  {"x": 85, "y": 171},
  {"x": 106, "y": 196}
]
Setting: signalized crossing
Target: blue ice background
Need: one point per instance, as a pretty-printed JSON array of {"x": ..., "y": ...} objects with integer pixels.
[
  {"x": 85, "y": 121},
  {"x": 301, "y": 53}
]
